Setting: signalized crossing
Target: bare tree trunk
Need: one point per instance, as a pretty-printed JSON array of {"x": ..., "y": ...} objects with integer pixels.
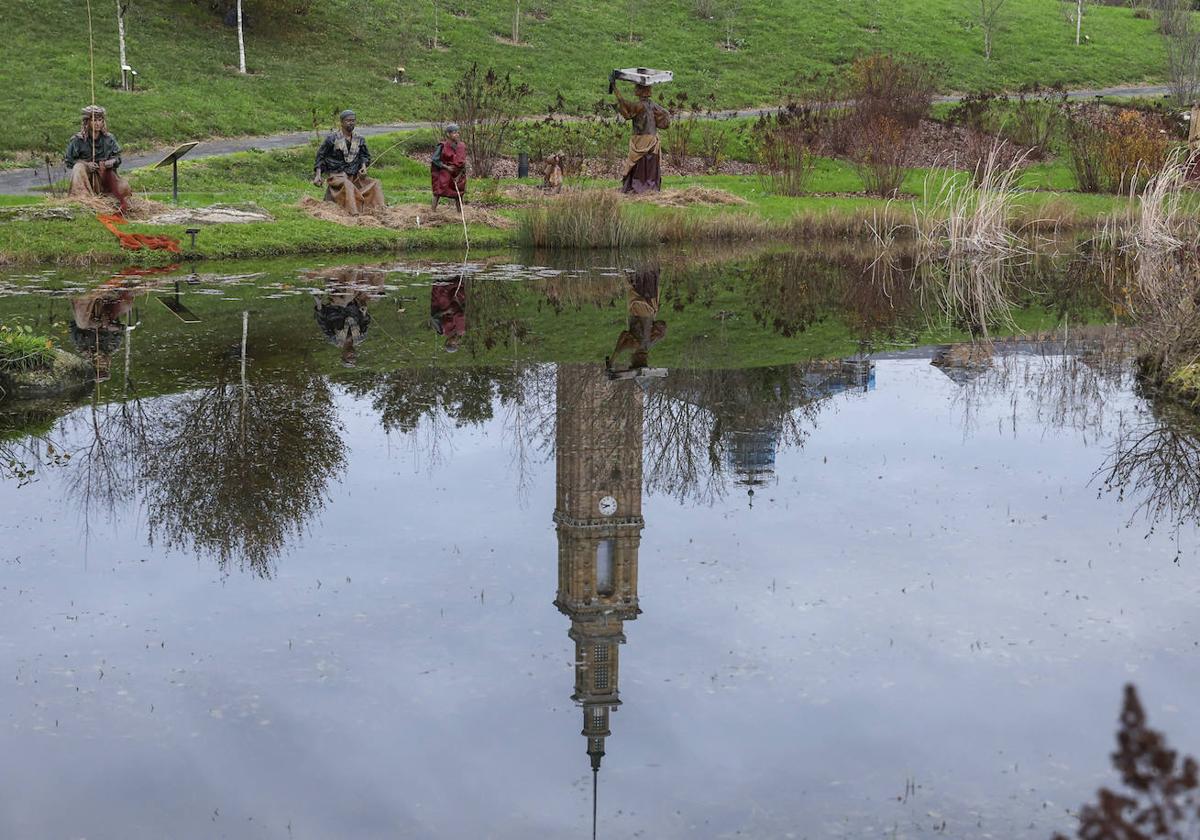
[
  {"x": 987, "y": 42},
  {"x": 122, "y": 7},
  {"x": 1078, "y": 20},
  {"x": 241, "y": 41},
  {"x": 435, "y": 24},
  {"x": 517, "y": 24}
]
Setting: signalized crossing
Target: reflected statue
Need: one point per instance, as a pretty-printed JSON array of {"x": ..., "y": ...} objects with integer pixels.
[
  {"x": 341, "y": 308},
  {"x": 598, "y": 518},
  {"x": 448, "y": 311},
  {"x": 1162, "y": 792},
  {"x": 97, "y": 330},
  {"x": 644, "y": 329}
]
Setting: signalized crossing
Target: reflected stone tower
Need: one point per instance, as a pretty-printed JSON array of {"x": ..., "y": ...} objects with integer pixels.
[{"x": 598, "y": 514}]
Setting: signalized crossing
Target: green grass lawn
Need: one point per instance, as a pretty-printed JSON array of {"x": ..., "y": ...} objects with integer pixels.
[{"x": 342, "y": 53}]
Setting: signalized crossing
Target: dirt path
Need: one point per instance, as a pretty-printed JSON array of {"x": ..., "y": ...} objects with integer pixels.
[{"x": 26, "y": 181}]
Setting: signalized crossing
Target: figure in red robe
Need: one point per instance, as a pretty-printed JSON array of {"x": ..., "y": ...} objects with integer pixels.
[{"x": 449, "y": 168}]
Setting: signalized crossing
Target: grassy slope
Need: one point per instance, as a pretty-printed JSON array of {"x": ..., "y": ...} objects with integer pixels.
[{"x": 343, "y": 53}]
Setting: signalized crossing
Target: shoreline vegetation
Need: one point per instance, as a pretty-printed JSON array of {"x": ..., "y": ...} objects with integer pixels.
[{"x": 510, "y": 212}]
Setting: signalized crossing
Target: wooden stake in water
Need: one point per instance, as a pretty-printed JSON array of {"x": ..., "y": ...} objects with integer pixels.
[{"x": 245, "y": 332}]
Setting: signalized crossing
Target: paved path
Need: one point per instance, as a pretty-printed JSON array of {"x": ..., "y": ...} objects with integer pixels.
[{"x": 25, "y": 181}]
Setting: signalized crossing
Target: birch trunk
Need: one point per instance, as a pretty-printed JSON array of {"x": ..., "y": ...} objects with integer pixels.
[
  {"x": 241, "y": 41},
  {"x": 121, "y": 8},
  {"x": 1078, "y": 20}
]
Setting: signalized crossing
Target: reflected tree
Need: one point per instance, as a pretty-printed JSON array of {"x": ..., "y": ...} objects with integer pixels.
[
  {"x": 1162, "y": 792},
  {"x": 239, "y": 468},
  {"x": 1156, "y": 464},
  {"x": 706, "y": 428}
]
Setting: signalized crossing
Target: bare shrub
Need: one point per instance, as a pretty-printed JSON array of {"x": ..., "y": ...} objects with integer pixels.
[
  {"x": 1114, "y": 151},
  {"x": 1034, "y": 117},
  {"x": 684, "y": 119},
  {"x": 898, "y": 86},
  {"x": 712, "y": 137},
  {"x": 881, "y": 147},
  {"x": 486, "y": 107},
  {"x": 890, "y": 95},
  {"x": 785, "y": 144}
]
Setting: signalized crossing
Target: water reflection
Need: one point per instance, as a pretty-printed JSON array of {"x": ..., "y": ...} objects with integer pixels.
[
  {"x": 341, "y": 307},
  {"x": 1154, "y": 464},
  {"x": 644, "y": 329},
  {"x": 237, "y": 467},
  {"x": 97, "y": 329},
  {"x": 448, "y": 310},
  {"x": 598, "y": 518}
]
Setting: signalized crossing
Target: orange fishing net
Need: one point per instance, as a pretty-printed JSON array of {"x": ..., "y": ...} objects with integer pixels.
[{"x": 134, "y": 241}]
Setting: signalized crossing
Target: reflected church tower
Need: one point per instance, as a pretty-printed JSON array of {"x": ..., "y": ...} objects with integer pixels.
[{"x": 598, "y": 514}]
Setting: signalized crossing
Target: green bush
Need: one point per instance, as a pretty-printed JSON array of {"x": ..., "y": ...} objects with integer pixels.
[{"x": 21, "y": 349}]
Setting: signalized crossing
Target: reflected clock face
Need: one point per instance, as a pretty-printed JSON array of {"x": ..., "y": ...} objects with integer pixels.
[{"x": 608, "y": 506}]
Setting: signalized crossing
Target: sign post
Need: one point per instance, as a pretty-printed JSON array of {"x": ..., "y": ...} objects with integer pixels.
[{"x": 173, "y": 159}]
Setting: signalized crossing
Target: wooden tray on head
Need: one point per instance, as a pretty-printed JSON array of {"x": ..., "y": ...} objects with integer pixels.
[{"x": 639, "y": 76}]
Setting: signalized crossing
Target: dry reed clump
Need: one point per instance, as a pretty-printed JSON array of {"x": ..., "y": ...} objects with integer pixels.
[
  {"x": 584, "y": 219},
  {"x": 403, "y": 216},
  {"x": 964, "y": 218},
  {"x": 139, "y": 208},
  {"x": 603, "y": 219},
  {"x": 1163, "y": 297},
  {"x": 691, "y": 197},
  {"x": 1155, "y": 220}
]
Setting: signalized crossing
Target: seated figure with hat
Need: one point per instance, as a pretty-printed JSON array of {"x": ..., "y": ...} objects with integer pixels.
[
  {"x": 93, "y": 157},
  {"x": 342, "y": 163}
]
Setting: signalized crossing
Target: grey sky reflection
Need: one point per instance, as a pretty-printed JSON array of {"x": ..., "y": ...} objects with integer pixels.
[{"x": 895, "y": 608}]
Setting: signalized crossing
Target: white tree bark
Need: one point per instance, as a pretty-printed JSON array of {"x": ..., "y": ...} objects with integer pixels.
[
  {"x": 241, "y": 41},
  {"x": 122, "y": 7},
  {"x": 1078, "y": 20}
]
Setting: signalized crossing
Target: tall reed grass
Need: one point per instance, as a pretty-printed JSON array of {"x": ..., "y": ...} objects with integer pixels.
[{"x": 1156, "y": 220}]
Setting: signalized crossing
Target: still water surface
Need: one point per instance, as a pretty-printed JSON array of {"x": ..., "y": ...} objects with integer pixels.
[{"x": 841, "y": 594}]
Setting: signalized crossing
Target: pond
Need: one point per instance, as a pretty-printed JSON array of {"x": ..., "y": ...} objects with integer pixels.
[{"x": 680, "y": 545}]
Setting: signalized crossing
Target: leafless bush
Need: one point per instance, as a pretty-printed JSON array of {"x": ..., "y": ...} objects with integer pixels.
[
  {"x": 486, "y": 107},
  {"x": 787, "y": 141},
  {"x": 711, "y": 141},
  {"x": 1114, "y": 150},
  {"x": 880, "y": 151},
  {"x": 684, "y": 119},
  {"x": 890, "y": 96}
]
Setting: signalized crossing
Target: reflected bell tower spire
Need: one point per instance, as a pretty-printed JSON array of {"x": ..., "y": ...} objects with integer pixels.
[{"x": 598, "y": 517}]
